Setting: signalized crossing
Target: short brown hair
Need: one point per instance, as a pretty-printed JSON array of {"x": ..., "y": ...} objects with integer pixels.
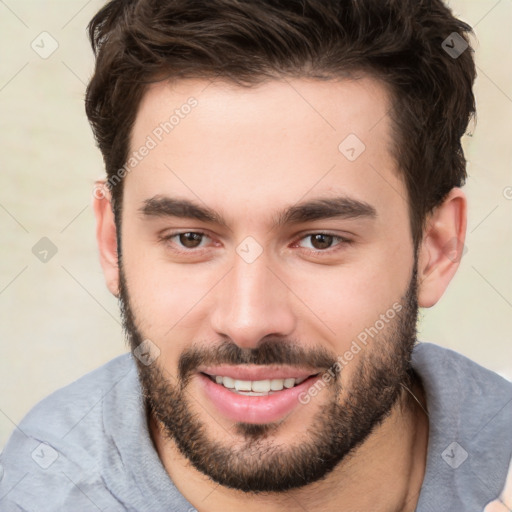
[{"x": 248, "y": 41}]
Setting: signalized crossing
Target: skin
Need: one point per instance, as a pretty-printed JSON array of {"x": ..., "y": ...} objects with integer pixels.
[{"x": 249, "y": 154}]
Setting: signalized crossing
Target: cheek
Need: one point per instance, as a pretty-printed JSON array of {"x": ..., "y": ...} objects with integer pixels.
[
  {"x": 348, "y": 299},
  {"x": 168, "y": 300}
]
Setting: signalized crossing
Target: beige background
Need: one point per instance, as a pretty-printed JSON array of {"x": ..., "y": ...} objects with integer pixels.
[{"x": 57, "y": 319}]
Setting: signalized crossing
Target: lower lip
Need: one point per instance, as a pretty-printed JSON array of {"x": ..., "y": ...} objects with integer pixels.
[{"x": 254, "y": 409}]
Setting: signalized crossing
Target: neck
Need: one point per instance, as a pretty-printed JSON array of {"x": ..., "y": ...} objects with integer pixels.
[{"x": 384, "y": 474}]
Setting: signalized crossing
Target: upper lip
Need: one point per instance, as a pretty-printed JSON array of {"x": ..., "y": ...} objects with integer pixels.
[{"x": 255, "y": 373}]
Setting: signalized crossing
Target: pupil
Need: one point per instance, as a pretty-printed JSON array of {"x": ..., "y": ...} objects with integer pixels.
[
  {"x": 322, "y": 241},
  {"x": 190, "y": 240}
]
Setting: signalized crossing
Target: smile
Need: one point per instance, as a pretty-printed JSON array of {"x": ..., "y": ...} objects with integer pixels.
[
  {"x": 254, "y": 394},
  {"x": 256, "y": 387}
]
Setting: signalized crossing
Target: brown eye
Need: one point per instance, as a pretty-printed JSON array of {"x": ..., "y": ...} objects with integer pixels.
[
  {"x": 321, "y": 241},
  {"x": 191, "y": 240},
  {"x": 186, "y": 242}
]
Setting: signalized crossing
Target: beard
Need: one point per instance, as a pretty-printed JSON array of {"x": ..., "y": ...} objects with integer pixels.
[{"x": 255, "y": 462}]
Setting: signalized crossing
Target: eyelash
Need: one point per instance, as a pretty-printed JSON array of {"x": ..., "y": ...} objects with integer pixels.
[{"x": 342, "y": 242}]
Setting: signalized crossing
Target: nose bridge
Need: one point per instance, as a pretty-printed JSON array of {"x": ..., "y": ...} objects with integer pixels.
[
  {"x": 253, "y": 303},
  {"x": 251, "y": 285}
]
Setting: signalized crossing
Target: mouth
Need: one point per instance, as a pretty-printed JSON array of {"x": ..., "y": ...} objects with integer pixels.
[{"x": 255, "y": 395}]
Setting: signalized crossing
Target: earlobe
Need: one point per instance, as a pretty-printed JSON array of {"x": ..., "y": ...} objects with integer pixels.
[
  {"x": 106, "y": 235},
  {"x": 442, "y": 247}
]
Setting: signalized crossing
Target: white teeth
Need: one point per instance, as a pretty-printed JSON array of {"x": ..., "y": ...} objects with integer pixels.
[
  {"x": 257, "y": 387},
  {"x": 261, "y": 386},
  {"x": 228, "y": 382},
  {"x": 277, "y": 384},
  {"x": 289, "y": 383},
  {"x": 242, "y": 385}
]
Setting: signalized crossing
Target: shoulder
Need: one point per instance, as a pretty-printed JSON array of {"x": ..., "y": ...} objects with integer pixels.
[
  {"x": 450, "y": 375},
  {"x": 425, "y": 353},
  {"x": 56, "y": 449},
  {"x": 463, "y": 396},
  {"x": 470, "y": 423},
  {"x": 61, "y": 411}
]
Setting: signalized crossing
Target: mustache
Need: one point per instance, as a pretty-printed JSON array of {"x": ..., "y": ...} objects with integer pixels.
[{"x": 271, "y": 351}]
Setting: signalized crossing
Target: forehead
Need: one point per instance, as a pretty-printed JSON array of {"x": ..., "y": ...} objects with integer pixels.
[{"x": 271, "y": 144}]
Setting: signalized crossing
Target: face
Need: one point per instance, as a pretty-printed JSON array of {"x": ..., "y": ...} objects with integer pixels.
[{"x": 267, "y": 261}]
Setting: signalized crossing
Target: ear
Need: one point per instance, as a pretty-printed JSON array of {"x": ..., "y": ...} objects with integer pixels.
[
  {"x": 442, "y": 247},
  {"x": 106, "y": 235}
]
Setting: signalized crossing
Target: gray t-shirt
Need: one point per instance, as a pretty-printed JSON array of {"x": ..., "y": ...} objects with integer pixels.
[{"x": 86, "y": 447}]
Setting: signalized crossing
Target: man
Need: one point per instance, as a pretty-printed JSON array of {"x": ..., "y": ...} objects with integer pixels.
[{"x": 282, "y": 195}]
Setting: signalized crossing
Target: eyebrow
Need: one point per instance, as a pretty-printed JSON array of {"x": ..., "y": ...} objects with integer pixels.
[{"x": 341, "y": 207}]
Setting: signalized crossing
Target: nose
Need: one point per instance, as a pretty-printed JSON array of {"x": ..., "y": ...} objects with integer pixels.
[{"x": 252, "y": 303}]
